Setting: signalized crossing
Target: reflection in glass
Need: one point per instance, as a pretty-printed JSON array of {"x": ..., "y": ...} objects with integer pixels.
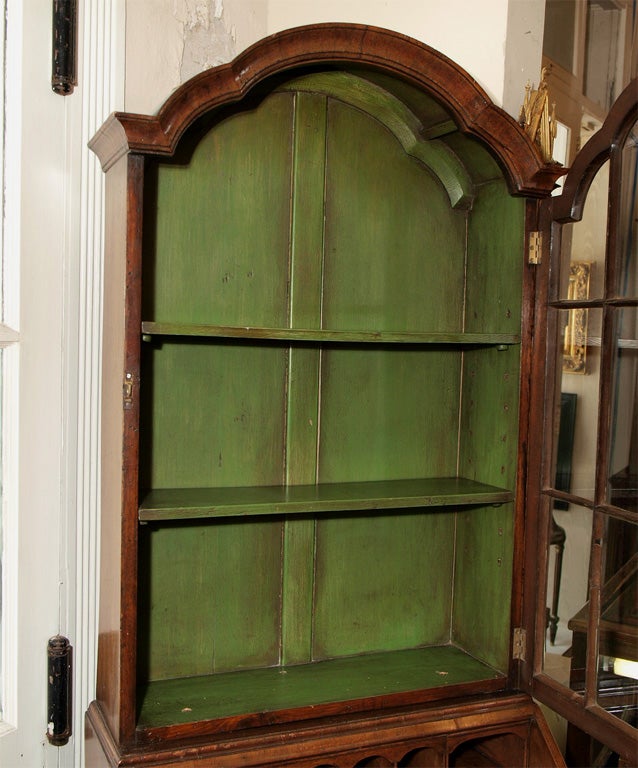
[
  {"x": 617, "y": 688},
  {"x": 603, "y": 52},
  {"x": 585, "y": 240},
  {"x": 558, "y": 35},
  {"x": 568, "y": 577},
  {"x": 575, "y": 333},
  {"x": 622, "y": 488},
  {"x": 585, "y": 389},
  {"x": 628, "y": 233}
]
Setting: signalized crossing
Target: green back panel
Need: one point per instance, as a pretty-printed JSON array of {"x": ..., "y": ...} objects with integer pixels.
[
  {"x": 220, "y": 248},
  {"x": 217, "y": 250},
  {"x": 380, "y": 410},
  {"x": 214, "y": 415},
  {"x": 383, "y": 582},
  {"x": 307, "y": 212},
  {"x": 210, "y": 425},
  {"x": 209, "y": 598},
  {"x": 393, "y": 246},
  {"x": 387, "y": 224}
]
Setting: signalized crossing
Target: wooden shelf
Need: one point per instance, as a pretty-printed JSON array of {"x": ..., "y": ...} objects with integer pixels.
[
  {"x": 186, "y": 503},
  {"x": 254, "y": 692},
  {"x": 321, "y": 335}
]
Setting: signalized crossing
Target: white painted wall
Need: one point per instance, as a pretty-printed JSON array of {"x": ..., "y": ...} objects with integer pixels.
[
  {"x": 523, "y": 51},
  {"x": 470, "y": 33},
  {"x": 498, "y": 42}
]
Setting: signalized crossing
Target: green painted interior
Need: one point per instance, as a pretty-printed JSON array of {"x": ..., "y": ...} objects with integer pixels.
[
  {"x": 187, "y": 700},
  {"x": 166, "y": 504},
  {"x": 203, "y": 427},
  {"x": 219, "y": 249},
  {"x": 397, "y": 117},
  {"x": 392, "y": 244},
  {"x": 310, "y": 404},
  {"x": 210, "y": 597},
  {"x": 374, "y": 590},
  {"x": 489, "y": 424},
  {"x": 466, "y": 339}
]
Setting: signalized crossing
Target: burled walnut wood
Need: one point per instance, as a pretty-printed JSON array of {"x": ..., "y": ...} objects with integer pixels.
[
  {"x": 347, "y": 44},
  {"x": 392, "y": 735}
]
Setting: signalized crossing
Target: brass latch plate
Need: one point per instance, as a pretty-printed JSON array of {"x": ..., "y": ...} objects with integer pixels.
[{"x": 128, "y": 391}]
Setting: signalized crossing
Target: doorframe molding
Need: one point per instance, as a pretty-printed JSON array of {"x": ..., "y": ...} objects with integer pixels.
[
  {"x": 10, "y": 363},
  {"x": 101, "y": 68}
]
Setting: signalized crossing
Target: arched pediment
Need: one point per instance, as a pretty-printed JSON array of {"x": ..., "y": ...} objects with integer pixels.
[{"x": 463, "y": 105}]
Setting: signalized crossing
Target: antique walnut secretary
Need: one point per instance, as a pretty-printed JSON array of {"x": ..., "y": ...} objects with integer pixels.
[{"x": 319, "y": 394}]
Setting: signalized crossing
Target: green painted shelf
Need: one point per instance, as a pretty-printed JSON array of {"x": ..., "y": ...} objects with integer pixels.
[
  {"x": 170, "y": 702},
  {"x": 321, "y": 335},
  {"x": 187, "y": 503}
]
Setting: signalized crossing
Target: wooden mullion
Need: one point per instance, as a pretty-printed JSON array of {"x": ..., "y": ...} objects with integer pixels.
[
  {"x": 608, "y": 336},
  {"x": 306, "y": 264},
  {"x": 594, "y": 599},
  {"x": 603, "y": 451},
  {"x": 598, "y": 527},
  {"x": 613, "y": 251}
]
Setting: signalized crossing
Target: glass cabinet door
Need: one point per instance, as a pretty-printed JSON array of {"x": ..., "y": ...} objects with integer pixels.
[{"x": 585, "y": 663}]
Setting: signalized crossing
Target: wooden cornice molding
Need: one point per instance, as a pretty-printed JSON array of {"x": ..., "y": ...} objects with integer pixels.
[{"x": 335, "y": 44}]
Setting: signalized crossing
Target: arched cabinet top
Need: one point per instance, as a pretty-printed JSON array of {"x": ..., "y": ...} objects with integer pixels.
[{"x": 451, "y": 101}]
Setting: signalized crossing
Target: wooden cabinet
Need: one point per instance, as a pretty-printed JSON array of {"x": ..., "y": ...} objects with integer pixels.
[{"x": 316, "y": 361}]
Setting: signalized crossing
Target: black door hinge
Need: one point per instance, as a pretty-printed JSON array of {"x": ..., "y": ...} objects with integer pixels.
[{"x": 59, "y": 696}]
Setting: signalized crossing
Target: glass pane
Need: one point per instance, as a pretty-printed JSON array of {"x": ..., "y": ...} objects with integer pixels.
[
  {"x": 622, "y": 489},
  {"x": 576, "y": 441},
  {"x": 583, "y": 244},
  {"x": 628, "y": 221},
  {"x": 618, "y": 630},
  {"x": 567, "y": 583},
  {"x": 603, "y": 52},
  {"x": 558, "y": 35}
]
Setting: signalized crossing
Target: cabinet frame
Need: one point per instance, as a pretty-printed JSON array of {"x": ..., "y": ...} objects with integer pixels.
[{"x": 122, "y": 145}]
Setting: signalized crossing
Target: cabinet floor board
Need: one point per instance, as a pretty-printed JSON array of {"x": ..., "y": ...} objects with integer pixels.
[{"x": 211, "y": 697}]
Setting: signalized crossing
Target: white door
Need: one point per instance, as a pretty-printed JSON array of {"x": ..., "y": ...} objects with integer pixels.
[{"x": 49, "y": 342}]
